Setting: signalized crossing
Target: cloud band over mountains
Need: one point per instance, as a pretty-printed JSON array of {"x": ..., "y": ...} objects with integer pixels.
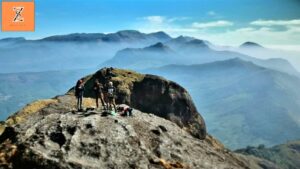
[
  {"x": 266, "y": 32},
  {"x": 260, "y": 22}
]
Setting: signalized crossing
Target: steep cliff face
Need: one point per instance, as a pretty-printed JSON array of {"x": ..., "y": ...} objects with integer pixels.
[{"x": 153, "y": 94}]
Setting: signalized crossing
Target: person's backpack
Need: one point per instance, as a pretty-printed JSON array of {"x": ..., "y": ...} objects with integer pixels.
[{"x": 110, "y": 92}]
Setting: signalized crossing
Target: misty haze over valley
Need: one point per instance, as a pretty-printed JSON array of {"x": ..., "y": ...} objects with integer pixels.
[{"x": 248, "y": 95}]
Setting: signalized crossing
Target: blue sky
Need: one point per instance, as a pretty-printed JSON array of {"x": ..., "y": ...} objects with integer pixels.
[{"x": 230, "y": 22}]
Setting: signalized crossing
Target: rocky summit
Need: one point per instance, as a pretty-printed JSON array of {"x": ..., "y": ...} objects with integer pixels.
[
  {"x": 152, "y": 94},
  {"x": 165, "y": 132}
]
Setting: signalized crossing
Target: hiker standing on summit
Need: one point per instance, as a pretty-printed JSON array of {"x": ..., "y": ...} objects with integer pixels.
[
  {"x": 79, "y": 90},
  {"x": 98, "y": 93},
  {"x": 111, "y": 95}
]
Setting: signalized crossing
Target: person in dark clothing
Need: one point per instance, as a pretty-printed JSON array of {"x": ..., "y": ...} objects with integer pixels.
[
  {"x": 111, "y": 90},
  {"x": 98, "y": 93},
  {"x": 109, "y": 73},
  {"x": 79, "y": 90}
]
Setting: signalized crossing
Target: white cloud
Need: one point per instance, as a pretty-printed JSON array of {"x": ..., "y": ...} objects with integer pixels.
[
  {"x": 220, "y": 23},
  {"x": 261, "y": 22},
  {"x": 295, "y": 29},
  {"x": 295, "y": 48},
  {"x": 263, "y": 35},
  {"x": 163, "y": 23},
  {"x": 155, "y": 19}
]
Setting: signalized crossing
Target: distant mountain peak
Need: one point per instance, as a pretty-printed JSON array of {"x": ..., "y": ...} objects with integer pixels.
[
  {"x": 75, "y": 37},
  {"x": 161, "y": 35},
  {"x": 180, "y": 38},
  {"x": 197, "y": 43},
  {"x": 241, "y": 62},
  {"x": 183, "y": 38},
  {"x": 12, "y": 39},
  {"x": 251, "y": 44},
  {"x": 159, "y": 47},
  {"x": 234, "y": 62},
  {"x": 129, "y": 32}
]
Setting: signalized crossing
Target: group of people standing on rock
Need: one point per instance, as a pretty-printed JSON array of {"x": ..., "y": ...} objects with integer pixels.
[{"x": 105, "y": 93}]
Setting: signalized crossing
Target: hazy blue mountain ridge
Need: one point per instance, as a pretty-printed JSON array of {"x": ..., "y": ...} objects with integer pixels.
[{"x": 242, "y": 103}]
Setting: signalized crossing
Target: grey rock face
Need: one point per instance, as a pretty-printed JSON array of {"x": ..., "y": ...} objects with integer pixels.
[
  {"x": 160, "y": 93},
  {"x": 153, "y": 94},
  {"x": 50, "y": 134},
  {"x": 88, "y": 140}
]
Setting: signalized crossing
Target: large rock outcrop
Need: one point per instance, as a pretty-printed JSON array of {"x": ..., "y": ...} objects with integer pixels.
[
  {"x": 62, "y": 140},
  {"x": 51, "y": 134},
  {"x": 153, "y": 94}
]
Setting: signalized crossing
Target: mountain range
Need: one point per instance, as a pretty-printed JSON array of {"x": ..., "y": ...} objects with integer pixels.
[
  {"x": 121, "y": 36},
  {"x": 242, "y": 103},
  {"x": 185, "y": 50},
  {"x": 287, "y": 155},
  {"x": 68, "y": 52},
  {"x": 258, "y": 51},
  {"x": 228, "y": 83}
]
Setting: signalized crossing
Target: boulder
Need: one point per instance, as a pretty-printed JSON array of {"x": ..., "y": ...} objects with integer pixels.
[{"x": 152, "y": 94}]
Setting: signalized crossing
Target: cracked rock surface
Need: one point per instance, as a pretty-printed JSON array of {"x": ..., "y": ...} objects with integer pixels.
[{"x": 89, "y": 140}]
